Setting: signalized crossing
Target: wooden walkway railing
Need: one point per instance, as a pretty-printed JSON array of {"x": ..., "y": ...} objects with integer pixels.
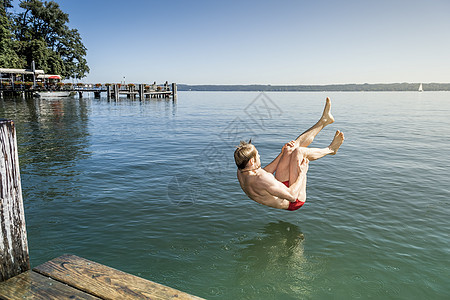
[{"x": 65, "y": 277}]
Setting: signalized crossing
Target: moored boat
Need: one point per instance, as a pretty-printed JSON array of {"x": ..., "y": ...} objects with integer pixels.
[{"x": 54, "y": 94}]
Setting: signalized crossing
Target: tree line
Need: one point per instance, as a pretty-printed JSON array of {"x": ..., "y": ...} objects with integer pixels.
[
  {"x": 40, "y": 33},
  {"x": 366, "y": 87}
]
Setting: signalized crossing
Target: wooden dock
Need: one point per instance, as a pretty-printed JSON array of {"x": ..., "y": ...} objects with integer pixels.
[
  {"x": 65, "y": 277},
  {"x": 73, "y": 277},
  {"x": 113, "y": 91},
  {"x": 132, "y": 91}
]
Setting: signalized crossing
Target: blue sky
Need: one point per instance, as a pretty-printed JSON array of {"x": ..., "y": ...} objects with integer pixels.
[{"x": 264, "y": 42}]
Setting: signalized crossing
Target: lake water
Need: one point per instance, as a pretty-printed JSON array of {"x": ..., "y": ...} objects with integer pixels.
[{"x": 150, "y": 188}]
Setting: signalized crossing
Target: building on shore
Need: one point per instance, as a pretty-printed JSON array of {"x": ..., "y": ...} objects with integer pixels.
[{"x": 11, "y": 77}]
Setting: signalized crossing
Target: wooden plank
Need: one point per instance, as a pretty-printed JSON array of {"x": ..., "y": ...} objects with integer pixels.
[
  {"x": 105, "y": 282},
  {"x": 32, "y": 285}
]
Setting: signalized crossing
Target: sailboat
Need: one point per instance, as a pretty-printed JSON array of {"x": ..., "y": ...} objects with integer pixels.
[{"x": 420, "y": 88}]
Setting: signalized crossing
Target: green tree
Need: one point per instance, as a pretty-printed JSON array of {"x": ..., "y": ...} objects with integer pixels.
[
  {"x": 4, "y": 4},
  {"x": 8, "y": 55},
  {"x": 72, "y": 52},
  {"x": 45, "y": 37},
  {"x": 44, "y": 58}
]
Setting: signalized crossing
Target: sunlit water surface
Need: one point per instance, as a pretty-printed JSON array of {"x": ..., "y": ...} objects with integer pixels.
[{"x": 150, "y": 188}]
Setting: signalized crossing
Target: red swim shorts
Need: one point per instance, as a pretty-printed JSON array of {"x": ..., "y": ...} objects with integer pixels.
[{"x": 293, "y": 205}]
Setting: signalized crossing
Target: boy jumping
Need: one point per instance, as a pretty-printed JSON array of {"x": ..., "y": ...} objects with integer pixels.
[{"x": 287, "y": 189}]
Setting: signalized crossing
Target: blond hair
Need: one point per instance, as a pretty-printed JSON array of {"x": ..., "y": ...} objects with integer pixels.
[{"x": 244, "y": 152}]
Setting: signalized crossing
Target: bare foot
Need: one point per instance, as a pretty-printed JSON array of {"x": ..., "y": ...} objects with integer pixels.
[
  {"x": 337, "y": 142},
  {"x": 327, "y": 118}
]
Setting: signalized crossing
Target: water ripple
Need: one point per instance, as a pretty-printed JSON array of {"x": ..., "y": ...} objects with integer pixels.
[{"x": 150, "y": 188}]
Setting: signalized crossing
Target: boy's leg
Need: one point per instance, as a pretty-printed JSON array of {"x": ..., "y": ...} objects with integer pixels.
[
  {"x": 306, "y": 138},
  {"x": 316, "y": 153},
  {"x": 282, "y": 171},
  {"x": 287, "y": 167},
  {"x": 297, "y": 158}
]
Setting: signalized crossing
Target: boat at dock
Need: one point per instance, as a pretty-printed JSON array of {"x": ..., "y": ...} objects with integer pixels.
[{"x": 54, "y": 94}]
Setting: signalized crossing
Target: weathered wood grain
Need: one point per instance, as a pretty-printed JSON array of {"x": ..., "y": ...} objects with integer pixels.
[
  {"x": 32, "y": 285},
  {"x": 105, "y": 282},
  {"x": 14, "y": 257}
]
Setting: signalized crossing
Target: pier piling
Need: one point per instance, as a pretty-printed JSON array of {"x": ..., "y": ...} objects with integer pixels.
[
  {"x": 108, "y": 92},
  {"x": 14, "y": 249},
  {"x": 174, "y": 91},
  {"x": 116, "y": 92},
  {"x": 141, "y": 92}
]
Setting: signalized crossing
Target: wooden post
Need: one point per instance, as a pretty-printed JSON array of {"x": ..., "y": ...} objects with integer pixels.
[
  {"x": 116, "y": 92},
  {"x": 14, "y": 257},
  {"x": 141, "y": 92},
  {"x": 108, "y": 92},
  {"x": 129, "y": 92},
  {"x": 174, "y": 91}
]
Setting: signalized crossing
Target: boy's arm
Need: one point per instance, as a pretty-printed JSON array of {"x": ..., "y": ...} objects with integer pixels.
[
  {"x": 272, "y": 167},
  {"x": 278, "y": 189}
]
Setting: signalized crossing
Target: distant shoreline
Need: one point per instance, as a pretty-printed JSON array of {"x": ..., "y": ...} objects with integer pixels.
[{"x": 381, "y": 87}]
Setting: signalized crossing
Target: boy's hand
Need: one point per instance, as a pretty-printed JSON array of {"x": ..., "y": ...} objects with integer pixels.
[{"x": 288, "y": 145}]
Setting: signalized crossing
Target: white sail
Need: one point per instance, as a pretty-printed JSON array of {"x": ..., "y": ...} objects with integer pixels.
[{"x": 420, "y": 88}]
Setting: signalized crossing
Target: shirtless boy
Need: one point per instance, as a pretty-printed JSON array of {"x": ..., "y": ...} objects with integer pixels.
[{"x": 287, "y": 189}]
